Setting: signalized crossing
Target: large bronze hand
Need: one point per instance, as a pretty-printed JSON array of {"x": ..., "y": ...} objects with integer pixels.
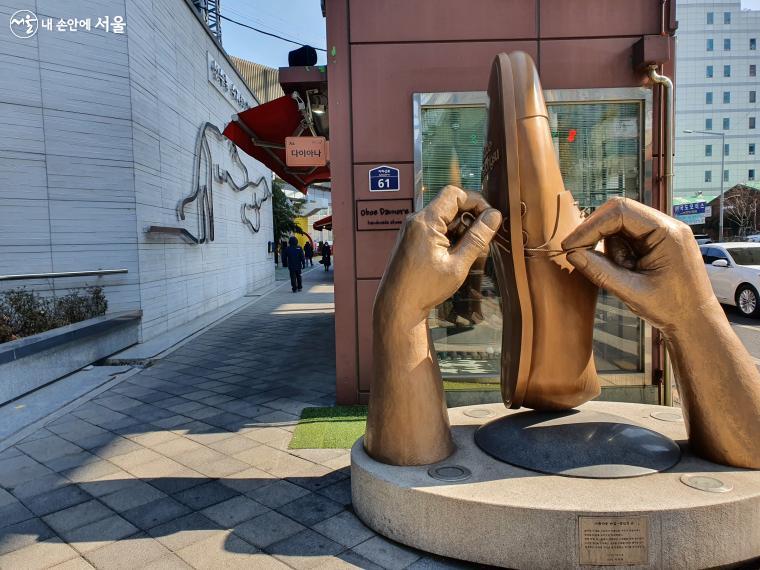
[
  {"x": 654, "y": 265},
  {"x": 407, "y": 423}
]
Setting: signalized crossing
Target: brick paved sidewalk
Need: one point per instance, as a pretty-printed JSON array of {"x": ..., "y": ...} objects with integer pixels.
[{"x": 185, "y": 465}]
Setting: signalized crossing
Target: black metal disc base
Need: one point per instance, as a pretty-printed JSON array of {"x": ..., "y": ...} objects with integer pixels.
[{"x": 577, "y": 443}]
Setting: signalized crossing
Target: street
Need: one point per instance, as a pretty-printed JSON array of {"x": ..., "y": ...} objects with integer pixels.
[{"x": 748, "y": 331}]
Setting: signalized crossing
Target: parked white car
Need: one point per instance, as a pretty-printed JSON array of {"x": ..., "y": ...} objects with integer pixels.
[
  {"x": 754, "y": 238},
  {"x": 734, "y": 271}
]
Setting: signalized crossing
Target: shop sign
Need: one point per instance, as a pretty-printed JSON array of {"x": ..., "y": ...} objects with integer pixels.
[
  {"x": 383, "y": 179},
  {"x": 382, "y": 214},
  {"x": 305, "y": 151},
  {"x": 692, "y": 214},
  {"x": 224, "y": 83}
]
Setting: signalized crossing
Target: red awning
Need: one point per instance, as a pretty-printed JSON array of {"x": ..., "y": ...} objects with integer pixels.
[
  {"x": 323, "y": 224},
  {"x": 261, "y": 131}
]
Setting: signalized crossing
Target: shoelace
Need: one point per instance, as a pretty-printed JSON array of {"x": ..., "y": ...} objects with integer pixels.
[{"x": 542, "y": 251}]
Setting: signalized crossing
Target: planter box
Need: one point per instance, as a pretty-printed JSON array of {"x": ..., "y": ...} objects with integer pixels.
[{"x": 29, "y": 363}]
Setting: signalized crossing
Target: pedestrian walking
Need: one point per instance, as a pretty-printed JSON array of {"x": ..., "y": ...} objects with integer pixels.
[
  {"x": 326, "y": 253},
  {"x": 295, "y": 260},
  {"x": 308, "y": 251},
  {"x": 283, "y": 253}
]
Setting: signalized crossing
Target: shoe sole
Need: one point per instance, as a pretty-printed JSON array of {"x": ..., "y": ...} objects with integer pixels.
[{"x": 501, "y": 168}]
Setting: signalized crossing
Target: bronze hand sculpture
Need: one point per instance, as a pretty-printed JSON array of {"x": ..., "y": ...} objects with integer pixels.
[
  {"x": 654, "y": 265},
  {"x": 408, "y": 423}
]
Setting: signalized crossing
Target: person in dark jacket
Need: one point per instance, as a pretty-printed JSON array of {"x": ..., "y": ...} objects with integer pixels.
[
  {"x": 295, "y": 260},
  {"x": 283, "y": 253},
  {"x": 308, "y": 251},
  {"x": 326, "y": 253}
]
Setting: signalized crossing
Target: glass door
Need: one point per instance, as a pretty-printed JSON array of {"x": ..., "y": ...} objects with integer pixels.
[{"x": 602, "y": 138}]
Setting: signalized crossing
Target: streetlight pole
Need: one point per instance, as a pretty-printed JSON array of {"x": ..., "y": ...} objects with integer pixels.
[{"x": 722, "y": 171}]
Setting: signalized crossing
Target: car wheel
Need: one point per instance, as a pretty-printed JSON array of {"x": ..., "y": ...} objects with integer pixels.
[{"x": 747, "y": 301}]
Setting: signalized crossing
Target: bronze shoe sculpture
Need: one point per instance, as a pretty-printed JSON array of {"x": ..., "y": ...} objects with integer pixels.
[{"x": 547, "y": 358}]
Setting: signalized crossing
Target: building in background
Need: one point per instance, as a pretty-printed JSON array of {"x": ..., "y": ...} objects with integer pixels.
[
  {"x": 717, "y": 61},
  {"x": 263, "y": 81},
  {"x": 407, "y": 101},
  {"x": 116, "y": 161},
  {"x": 316, "y": 206}
]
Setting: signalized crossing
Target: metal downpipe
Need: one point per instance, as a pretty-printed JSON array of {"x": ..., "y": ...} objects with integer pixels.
[{"x": 667, "y": 174}]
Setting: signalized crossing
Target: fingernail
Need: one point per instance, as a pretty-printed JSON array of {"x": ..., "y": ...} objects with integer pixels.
[
  {"x": 578, "y": 259},
  {"x": 492, "y": 218},
  {"x": 567, "y": 243}
]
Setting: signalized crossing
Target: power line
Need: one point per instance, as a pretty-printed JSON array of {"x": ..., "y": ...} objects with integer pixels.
[{"x": 267, "y": 33}]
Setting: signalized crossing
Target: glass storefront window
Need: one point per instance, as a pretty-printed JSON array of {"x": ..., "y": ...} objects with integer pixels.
[
  {"x": 600, "y": 147},
  {"x": 466, "y": 329}
]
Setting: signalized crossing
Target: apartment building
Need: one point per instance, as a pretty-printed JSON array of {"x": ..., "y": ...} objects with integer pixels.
[{"x": 717, "y": 86}]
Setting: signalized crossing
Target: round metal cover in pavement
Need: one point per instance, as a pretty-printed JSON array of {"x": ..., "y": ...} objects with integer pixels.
[{"x": 577, "y": 443}]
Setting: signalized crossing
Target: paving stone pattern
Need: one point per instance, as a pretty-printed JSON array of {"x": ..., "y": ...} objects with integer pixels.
[{"x": 186, "y": 465}]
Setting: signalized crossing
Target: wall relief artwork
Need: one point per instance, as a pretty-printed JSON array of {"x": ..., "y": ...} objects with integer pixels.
[{"x": 200, "y": 201}]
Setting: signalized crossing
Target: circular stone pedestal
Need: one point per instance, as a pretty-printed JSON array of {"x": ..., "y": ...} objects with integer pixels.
[{"x": 474, "y": 507}]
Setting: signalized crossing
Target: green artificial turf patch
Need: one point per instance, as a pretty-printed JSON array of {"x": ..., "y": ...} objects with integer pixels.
[
  {"x": 455, "y": 386},
  {"x": 333, "y": 427}
]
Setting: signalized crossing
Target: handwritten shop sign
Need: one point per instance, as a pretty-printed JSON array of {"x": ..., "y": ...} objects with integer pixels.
[
  {"x": 381, "y": 214},
  {"x": 305, "y": 151},
  {"x": 225, "y": 83}
]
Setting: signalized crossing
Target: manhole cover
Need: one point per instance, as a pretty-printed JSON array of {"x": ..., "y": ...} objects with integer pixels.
[
  {"x": 478, "y": 413},
  {"x": 705, "y": 483},
  {"x": 450, "y": 473},
  {"x": 667, "y": 416}
]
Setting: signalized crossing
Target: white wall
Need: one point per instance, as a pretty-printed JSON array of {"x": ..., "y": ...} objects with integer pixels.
[
  {"x": 66, "y": 185},
  {"x": 98, "y": 132},
  {"x": 171, "y": 99}
]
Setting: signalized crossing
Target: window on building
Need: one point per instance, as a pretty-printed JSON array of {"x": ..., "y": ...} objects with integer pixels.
[
  {"x": 751, "y": 174},
  {"x": 753, "y": 70},
  {"x": 751, "y": 149},
  {"x": 708, "y": 150},
  {"x": 726, "y": 149},
  {"x": 752, "y": 96},
  {"x": 752, "y": 122},
  {"x": 725, "y": 176},
  {"x": 710, "y": 17},
  {"x": 726, "y": 123},
  {"x": 709, "y": 71},
  {"x": 726, "y": 97},
  {"x": 726, "y": 17},
  {"x": 727, "y": 44},
  {"x": 710, "y": 44},
  {"x": 708, "y": 175},
  {"x": 726, "y": 71},
  {"x": 708, "y": 124},
  {"x": 752, "y": 44},
  {"x": 708, "y": 98}
]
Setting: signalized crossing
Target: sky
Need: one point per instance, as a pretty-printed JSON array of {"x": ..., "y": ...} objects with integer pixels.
[{"x": 299, "y": 20}]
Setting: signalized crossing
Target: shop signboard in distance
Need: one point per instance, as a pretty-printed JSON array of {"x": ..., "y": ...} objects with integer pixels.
[
  {"x": 383, "y": 179},
  {"x": 692, "y": 214},
  {"x": 305, "y": 151}
]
